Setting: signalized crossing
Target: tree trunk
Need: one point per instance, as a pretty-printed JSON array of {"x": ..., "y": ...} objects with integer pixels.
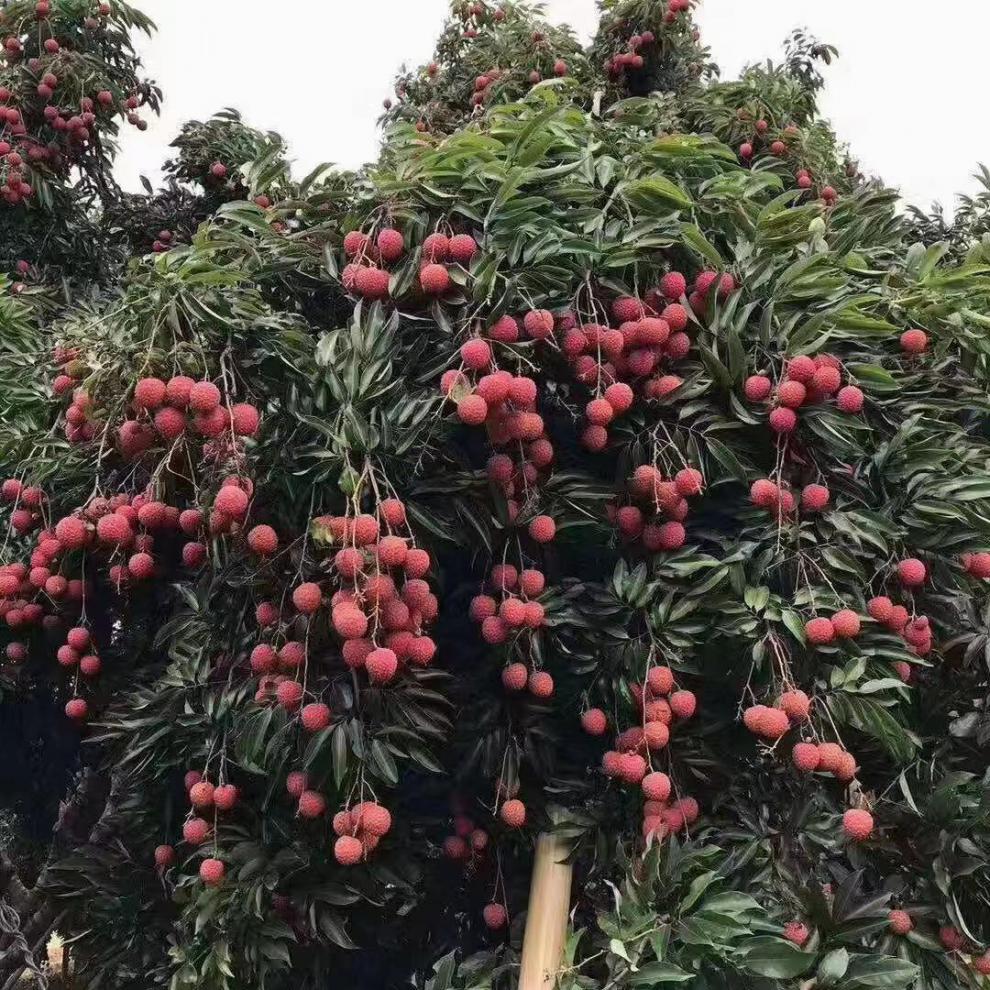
[{"x": 546, "y": 920}]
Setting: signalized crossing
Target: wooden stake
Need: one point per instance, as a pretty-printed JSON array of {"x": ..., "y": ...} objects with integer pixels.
[{"x": 546, "y": 920}]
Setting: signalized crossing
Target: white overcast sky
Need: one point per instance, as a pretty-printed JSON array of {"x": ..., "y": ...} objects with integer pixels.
[{"x": 904, "y": 93}]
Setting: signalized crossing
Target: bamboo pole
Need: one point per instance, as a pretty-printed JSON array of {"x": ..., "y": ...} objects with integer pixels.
[{"x": 546, "y": 920}]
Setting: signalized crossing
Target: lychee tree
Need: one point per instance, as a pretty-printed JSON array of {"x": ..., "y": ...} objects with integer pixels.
[
  {"x": 606, "y": 460},
  {"x": 69, "y": 80}
]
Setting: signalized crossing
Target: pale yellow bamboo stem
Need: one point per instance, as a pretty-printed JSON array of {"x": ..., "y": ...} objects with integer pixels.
[{"x": 546, "y": 920}]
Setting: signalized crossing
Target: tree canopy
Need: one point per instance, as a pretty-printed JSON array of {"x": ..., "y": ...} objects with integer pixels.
[{"x": 608, "y": 458}]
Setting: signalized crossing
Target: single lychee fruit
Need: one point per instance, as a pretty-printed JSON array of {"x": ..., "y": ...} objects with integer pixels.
[
  {"x": 494, "y": 916},
  {"x": 513, "y": 813},
  {"x": 850, "y": 399},
  {"x": 195, "y": 831},
  {"x": 796, "y": 932},
  {"x": 201, "y": 795},
  {"x": 307, "y": 598},
  {"x": 846, "y": 624},
  {"x": 225, "y": 797},
  {"x": 434, "y": 280},
  {"x": 683, "y": 704},
  {"x": 783, "y": 420},
  {"x": 594, "y": 722},
  {"x": 348, "y": 850},
  {"x": 806, "y": 757},
  {"x": 515, "y": 677},
  {"x": 796, "y": 704},
  {"x": 391, "y": 244},
  {"x": 315, "y": 717},
  {"x": 912, "y": 572},
  {"x": 656, "y": 786},
  {"x": 211, "y": 871},
  {"x": 757, "y": 388},
  {"x": 164, "y": 856},
  {"x": 542, "y": 529},
  {"x": 311, "y": 805},
  {"x": 814, "y": 498},
  {"x": 819, "y": 631},
  {"x": 914, "y": 341},
  {"x": 857, "y": 824}
]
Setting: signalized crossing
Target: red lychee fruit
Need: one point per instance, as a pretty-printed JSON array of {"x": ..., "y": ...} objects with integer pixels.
[
  {"x": 850, "y": 399},
  {"x": 204, "y": 397},
  {"x": 149, "y": 393},
  {"x": 814, "y": 498},
  {"x": 245, "y": 419},
  {"x": 348, "y": 850},
  {"x": 494, "y": 916},
  {"x": 857, "y": 824},
  {"x": 912, "y": 572},
  {"x": 513, "y": 813},
  {"x": 783, "y": 420},
  {"x": 542, "y": 529},
  {"x": 951, "y": 938},
  {"x": 114, "y": 529},
  {"x": 178, "y": 391},
  {"x": 846, "y": 624},
  {"x": 164, "y": 856},
  {"x": 296, "y": 782},
  {"x": 757, "y": 388},
  {"x": 201, "y": 795},
  {"x": 263, "y": 540},
  {"x": 354, "y": 243},
  {"x": 683, "y": 704},
  {"x": 796, "y": 704},
  {"x": 689, "y": 481},
  {"x": 791, "y": 394},
  {"x": 806, "y": 757},
  {"x": 434, "y": 280},
  {"x": 315, "y": 717},
  {"x": 170, "y": 423},
  {"x": 796, "y": 932},
  {"x": 77, "y": 709},
  {"x": 914, "y": 341},
  {"x": 391, "y": 244},
  {"x": 462, "y": 249},
  {"x": 212, "y": 871},
  {"x": 594, "y": 722},
  {"x": 515, "y": 677},
  {"x": 382, "y": 665},
  {"x": 195, "y": 831},
  {"x": 231, "y": 501},
  {"x": 656, "y": 786},
  {"x": 540, "y": 684},
  {"x": 311, "y": 805},
  {"x": 289, "y": 695},
  {"x": 436, "y": 247},
  {"x": 880, "y": 608},
  {"x": 225, "y": 797},
  {"x": 819, "y": 631},
  {"x": 371, "y": 283},
  {"x": 307, "y": 598}
]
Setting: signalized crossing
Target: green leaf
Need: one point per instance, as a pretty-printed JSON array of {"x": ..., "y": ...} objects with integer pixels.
[
  {"x": 767, "y": 955},
  {"x": 659, "y": 972},
  {"x": 833, "y": 967}
]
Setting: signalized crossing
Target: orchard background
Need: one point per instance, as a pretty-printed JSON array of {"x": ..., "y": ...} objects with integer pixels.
[{"x": 608, "y": 459}]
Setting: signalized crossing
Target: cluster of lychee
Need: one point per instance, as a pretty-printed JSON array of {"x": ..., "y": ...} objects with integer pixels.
[
  {"x": 659, "y": 524},
  {"x": 359, "y": 830},
  {"x": 780, "y": 501},
  {"x": 380, "y": 609},
  {"x": 632, "y": 58},
  {"x": 807, "y": 381},
  {"x": 163, "y": 241},
  {"x": 364, "y": 275},
  {"x": 512, "y": 611},
  {"x": 59, "y": 134},
  {"x": 27, "y": 501},
  {"x": 608, "y": 359},
  {"x": 467, "y": 842},
  {"x": 660, "y": 706},
  {"x": 809, "y": 757}
]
